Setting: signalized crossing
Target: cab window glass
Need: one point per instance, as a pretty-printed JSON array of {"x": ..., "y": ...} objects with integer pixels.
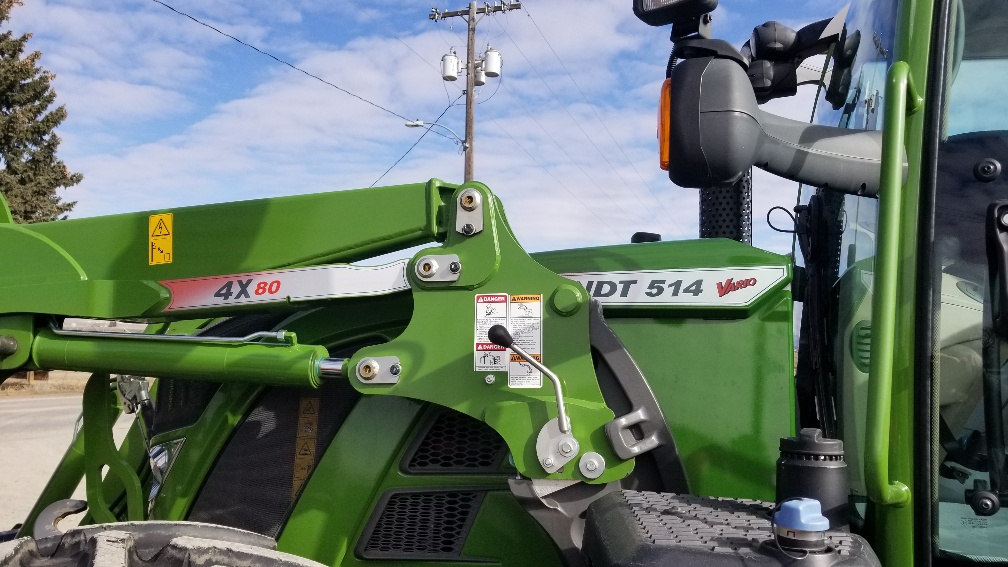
[
  {"x": 969, "y": 367},
  {"x": 855, "y": 98}
]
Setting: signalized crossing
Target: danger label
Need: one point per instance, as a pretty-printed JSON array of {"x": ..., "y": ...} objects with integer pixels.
[
  {"x": 491, "y": 309},
  {"x": 525, "y": 324},
  {"x": 159, "y": 232}
]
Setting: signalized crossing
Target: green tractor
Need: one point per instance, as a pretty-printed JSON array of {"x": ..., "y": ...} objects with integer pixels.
[{"x": 637, "y": 404}]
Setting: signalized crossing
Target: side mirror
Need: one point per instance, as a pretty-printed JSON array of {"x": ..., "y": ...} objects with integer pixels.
[{"x": 717, "y": 131}]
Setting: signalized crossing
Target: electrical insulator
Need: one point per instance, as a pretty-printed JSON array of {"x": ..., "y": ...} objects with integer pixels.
[
  {"x": 450, "y": 66},
  {"x": 479, "y": 79},
  {"x": 492, "y": 62}
]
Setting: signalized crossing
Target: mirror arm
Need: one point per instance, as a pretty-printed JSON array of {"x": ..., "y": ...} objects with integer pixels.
[{"x": 829, "y": 157}]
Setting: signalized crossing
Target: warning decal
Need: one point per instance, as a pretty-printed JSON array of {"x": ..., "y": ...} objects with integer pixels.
[
  {"x": 491, "y": 309},
  {"x": 525, "y": 313},
  {"x": 304, "y": 445},
  {"x": 159, "y": 232}
]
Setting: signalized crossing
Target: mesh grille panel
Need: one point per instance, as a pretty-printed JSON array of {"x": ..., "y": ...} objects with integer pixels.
[
  {"x": 456, "y": 443},
  {"x": 251, "y": 485},
  {"x": 421, "y": 525},
  {"x": 726, "y": 212}
]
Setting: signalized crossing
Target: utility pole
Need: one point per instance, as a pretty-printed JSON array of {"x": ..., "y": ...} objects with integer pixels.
[{"x": 470, "y": 15}]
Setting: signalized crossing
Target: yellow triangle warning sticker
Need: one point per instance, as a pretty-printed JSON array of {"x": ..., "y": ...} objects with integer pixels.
[
  {"x": 161, "y": 229},
  {"x": 308, "y": 408},
  {"x": 306, "y": 450}
]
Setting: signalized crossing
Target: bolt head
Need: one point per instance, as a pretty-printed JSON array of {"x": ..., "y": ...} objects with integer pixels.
[
  {"x": 547, "y": 462},
  {"x": 566, "y": 448},
  {"x": 591, "y": 465},
  {"x": 468, "y": 229},
  {"x": 455, "y": 267},
  {"x": 490, "y": 379},
  {"x": 395, "y": 369}
]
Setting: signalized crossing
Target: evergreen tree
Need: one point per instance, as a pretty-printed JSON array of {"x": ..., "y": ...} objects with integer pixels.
[{"x": 30, "y": 173}]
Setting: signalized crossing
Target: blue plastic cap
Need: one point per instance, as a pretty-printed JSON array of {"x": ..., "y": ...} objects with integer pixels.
[{"x": 804, "y": 514}]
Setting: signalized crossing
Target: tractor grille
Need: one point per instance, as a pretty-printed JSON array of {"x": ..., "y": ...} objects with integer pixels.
[
  {"x": 420, "y": 525},
  {"x": 455, "y": 443}
]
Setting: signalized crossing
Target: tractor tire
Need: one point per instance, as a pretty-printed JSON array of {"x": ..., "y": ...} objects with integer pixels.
[{"x": 149, "y": 544}]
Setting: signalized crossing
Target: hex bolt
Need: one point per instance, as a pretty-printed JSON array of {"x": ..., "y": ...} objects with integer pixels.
[
  {"x": 455, "y": 267},
  {"x": 395, "y": 369},
  {"x": 566, "y": 448},
  {"x": 592, "y": 465},
  {"x": 547, "y": 462},
  {"x": 426, "y": 267},
  {"x": 468, "y": 229},
  {"x": 490, "y": 379},
  {"x": 367, "y": 369}
]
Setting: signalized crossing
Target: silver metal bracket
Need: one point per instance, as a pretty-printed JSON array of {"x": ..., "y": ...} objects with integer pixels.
[
  {"x": 438, "y": 268},
  {"x": 624, "y": 443},
  {"x": 378, "y": 370},
  {"x": 134, "y": 393},
  {"x": 554, "y": 448},
  {"x": 469, "y": 212}
]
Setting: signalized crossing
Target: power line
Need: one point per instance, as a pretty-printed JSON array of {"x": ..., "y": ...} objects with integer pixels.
[
  {"x": 572, "y": 160},
  {"x": 558, "y": 182},
  {"x": 399, "y": 39},
  {"x": 581, "y": 128},
  {"x": 599, "y": 118},
  {"x": 426, "y": 130},
  {"x": 278, "y": 60}
]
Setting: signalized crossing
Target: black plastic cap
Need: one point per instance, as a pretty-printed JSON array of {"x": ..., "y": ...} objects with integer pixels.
[
  {"x": 640, "y": 237},
  {"x": 811, "y": 442},
  {"x": 500, "y": 336}
]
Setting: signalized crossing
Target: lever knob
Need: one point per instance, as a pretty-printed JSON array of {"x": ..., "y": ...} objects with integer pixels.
[{"x": 500, "y": 336}]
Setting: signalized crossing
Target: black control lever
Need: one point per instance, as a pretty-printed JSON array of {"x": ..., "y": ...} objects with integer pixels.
[{"x": 500, "y": 336}]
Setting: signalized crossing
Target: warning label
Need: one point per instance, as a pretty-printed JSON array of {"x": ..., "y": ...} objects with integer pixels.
[
  {"x": 491, "y": 309},
  {"x": 305, "y": 441},
  {"x": 525, "y": 314},
  {"x": 159, "y": 232}
]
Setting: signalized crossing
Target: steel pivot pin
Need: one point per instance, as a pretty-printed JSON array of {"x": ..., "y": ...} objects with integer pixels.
[
  {"x": 426, "y": 267},
  {"x": 469, "y": 200},
  {"x": 367, "y": 369}
]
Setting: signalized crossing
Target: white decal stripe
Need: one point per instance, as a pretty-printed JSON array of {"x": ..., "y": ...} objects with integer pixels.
[
  {"x": 300, "y": 284},
  {"x": 703, "y": 287}
]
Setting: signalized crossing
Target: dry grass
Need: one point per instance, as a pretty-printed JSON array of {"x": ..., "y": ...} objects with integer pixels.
[{"x": 55, "y": 382}]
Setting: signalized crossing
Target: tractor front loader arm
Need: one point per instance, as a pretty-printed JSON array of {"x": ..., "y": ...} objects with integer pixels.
[{"x": 538, "y": 389}]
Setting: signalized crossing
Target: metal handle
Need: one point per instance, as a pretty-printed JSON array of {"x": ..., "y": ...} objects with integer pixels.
[
  {"x": 903, "y": 101},
  {"x": 500, "y": 336}
]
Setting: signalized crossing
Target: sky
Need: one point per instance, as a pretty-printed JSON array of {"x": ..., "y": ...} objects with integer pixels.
[{"x": 164, "y": 112}]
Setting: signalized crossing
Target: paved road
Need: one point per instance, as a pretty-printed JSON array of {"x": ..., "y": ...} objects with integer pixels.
[{"x": 35, "y": 431}]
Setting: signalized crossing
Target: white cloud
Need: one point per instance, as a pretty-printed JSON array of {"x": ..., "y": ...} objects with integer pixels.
[{"x": 166, "y": 113}]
